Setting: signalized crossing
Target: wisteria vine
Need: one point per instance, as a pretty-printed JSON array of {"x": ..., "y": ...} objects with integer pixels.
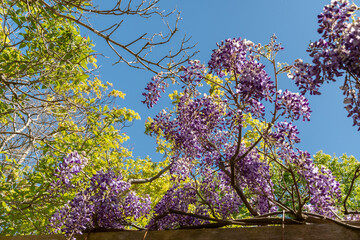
[
  {"x": 249, "y": 145},
  {"x": 334, "y": 55},
  {"x": 233, "y": 148},
  {"x": 108, "y": 203}
]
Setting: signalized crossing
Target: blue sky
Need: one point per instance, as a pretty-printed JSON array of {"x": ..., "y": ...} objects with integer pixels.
[{"x": 209, "y": 22}]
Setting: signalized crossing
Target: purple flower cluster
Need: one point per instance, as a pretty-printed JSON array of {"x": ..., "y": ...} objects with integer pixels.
[
  {"x": 256, "y": 108},
  {"x": 193, "y": 74},
  {"x": 351, "y": 90},
  {"x": 196, "y": 121},
  {"x": 107, "y": 203},
  {"x": 218, "y": 194},
  {"x": 254, "y": 174},
  {"x": 352, "y": 102},
  {"x": 182, "y": 167},
  {"x": 154, "y": 88},
  {"x": 71, "y": 165},
  {"x": 333, "y": 19},
  {"x": 329, "y": 53},
  {"x": 211, "y": 196},
  {"x": 74, "y": 217},
  {"x": 336, "y": 53},
  {"x": 302, "y": 73},
  {"x": 234, "y": 56},
  {"x": 229, "y": 57},
  {"x": 352, "y": 48},
  {"x": 320, "y": 185},
  {"x": 293, "y": 105},
  {"x": 285, "y": 132},
  {"x": 176, "y": 198}
]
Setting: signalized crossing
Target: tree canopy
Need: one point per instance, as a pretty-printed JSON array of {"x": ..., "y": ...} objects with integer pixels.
[
  {"x": 53, "y": 102},
  {"x": 229, "y": 141}
]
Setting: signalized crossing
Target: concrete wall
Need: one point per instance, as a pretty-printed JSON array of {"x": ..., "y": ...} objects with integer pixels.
[{"x": 328, "y": 231}]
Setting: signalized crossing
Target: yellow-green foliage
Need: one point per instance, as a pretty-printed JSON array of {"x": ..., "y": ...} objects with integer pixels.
[
  {"x": 343, "y": 168},
  {"x": 215, "y": 84},
  {"x": 56, "y": 62}
]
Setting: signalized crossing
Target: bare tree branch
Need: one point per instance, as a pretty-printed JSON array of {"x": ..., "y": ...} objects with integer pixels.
[
  {"x": 150, "y": 179},
  {"x": 145, "y": 9},
  {"x": 355, "y": 176}
]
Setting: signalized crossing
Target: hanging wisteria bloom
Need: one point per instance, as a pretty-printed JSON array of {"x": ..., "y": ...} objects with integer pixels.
[
  {"x": 154, "y": 90},
  {"x": 293, "y": 105},
  {"x": 71, "y": 165},
  {"x": 107, "y": 204},
  {"x": 235, "y": 56},
  {"x": 336, "y": 54}
]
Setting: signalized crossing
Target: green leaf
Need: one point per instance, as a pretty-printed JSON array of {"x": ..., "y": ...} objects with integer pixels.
[{"x": 4, "y": 205}]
